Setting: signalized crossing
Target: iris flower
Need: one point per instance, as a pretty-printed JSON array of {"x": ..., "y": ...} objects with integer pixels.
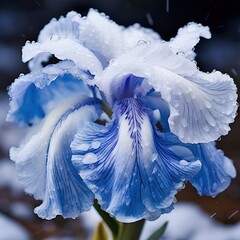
[{"x": 124, "y": 117}]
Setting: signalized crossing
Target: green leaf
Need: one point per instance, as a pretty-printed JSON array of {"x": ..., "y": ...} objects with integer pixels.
[
  {"x": 100, "y": 233},
  {"x": 111, "y": 222},
  {"x": 159, "y": 232}
]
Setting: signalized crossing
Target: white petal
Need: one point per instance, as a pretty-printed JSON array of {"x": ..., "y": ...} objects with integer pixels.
[
  {"x": 101, "y": 35},
  {"x": 65, "y": 27}
]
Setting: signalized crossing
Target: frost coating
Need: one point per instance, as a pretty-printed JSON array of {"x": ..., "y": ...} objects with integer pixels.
[{"x": 124, "y": 118}]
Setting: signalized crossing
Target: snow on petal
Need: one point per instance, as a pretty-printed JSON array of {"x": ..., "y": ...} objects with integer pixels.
[
  {"x": 187, "y": 37},
  {"x": 35, "y": 94},
  {"x": 132, "y": 172},
  {"x": 44, "y": 162},
  {"x": 201, "y": 105}
]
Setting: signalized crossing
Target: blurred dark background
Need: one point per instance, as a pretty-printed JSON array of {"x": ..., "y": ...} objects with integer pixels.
[{"x": 21, "y": 20}]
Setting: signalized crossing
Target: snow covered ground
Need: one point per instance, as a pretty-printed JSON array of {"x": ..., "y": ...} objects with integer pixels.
[
  {"x": 186, "y": 222},
  {"x": 10, "y": 230}
]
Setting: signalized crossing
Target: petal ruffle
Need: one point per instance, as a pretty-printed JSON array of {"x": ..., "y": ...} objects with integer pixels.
[
  {"x": 128, "y": 166},
  {"x": 201, "y": 105},
  {"x": 64, "y": 27},
  {"x": 44, "y": 162},
  {"x": 111, "y": 40},
  {"x": 217, "y": 170},
  {"x": 62, "y": 39},
  {"x": 187, "y": 38},
  {"x": 35, "y": 94}
]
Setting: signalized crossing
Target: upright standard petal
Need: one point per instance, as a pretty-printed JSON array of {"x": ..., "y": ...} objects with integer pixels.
[
  {"x": 201, "y": 105},
  {"x": 217, "y": 170},
  {"x": 35, "y": 94},
  {"x": 101, "y": 35},
  {"x": 65, "y": 27},
  {"x": 128, "y": 166},
  {"x": 62, "y": 39},
  {"x": 44, "y": 162},
  {"x": 187, "y": 38}
]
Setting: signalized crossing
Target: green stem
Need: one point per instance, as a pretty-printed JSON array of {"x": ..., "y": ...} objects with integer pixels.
[
  {"x": 130, "y": 231},
  {"x": 111, "y": 222}
]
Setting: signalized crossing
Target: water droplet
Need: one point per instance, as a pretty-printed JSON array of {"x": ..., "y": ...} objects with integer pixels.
[
  {"x": 140, "y": 42},
  {"x": 83, "y": 147},
  {"x": 55, "y": 38},
  {"x": 95, "y": 145},
  {"x": 208, "y": 104},
  {"x": 156, "y": 115},
  {"x": 183, "y": 162},
  {"x": 89, "y": 158},
  {"x": 206, "y": 128},
  {"x": 184, "y": 122},
  {"x": 154, "y": 157}
]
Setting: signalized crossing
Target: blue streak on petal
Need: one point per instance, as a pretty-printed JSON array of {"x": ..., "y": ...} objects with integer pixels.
[
  {"x": 132, "y": 172},
  {"x": 44, "y": 163},
  {"x": 217, "y": 170},
  {"x": 35, "y": 94}
]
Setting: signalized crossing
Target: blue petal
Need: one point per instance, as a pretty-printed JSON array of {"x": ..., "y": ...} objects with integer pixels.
[
  {"x": 128, "y": 166},
  {"x": 35, "y": 94},
  {"x": 44, "y": 162},
  {"x": 217, "y": 170}
]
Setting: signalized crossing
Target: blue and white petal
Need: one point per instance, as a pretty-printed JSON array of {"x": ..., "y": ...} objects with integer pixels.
[
  {"x": 35, "y": 94},
  {"x": 187, "y": 38},
  {"x": 128, "y": 166},
  {"x": 217, "y": 170},
  {"x": 44, "y": 162},
  {"x": 61, "y": 38},
  {"x": 201, "y": 105}
]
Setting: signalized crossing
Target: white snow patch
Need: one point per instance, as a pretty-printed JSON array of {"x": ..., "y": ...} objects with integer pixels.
[
  {"x": 8, "y": 177},
  {"x": 10, "y": 230},
  {"x": 187, "y": 221}
]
